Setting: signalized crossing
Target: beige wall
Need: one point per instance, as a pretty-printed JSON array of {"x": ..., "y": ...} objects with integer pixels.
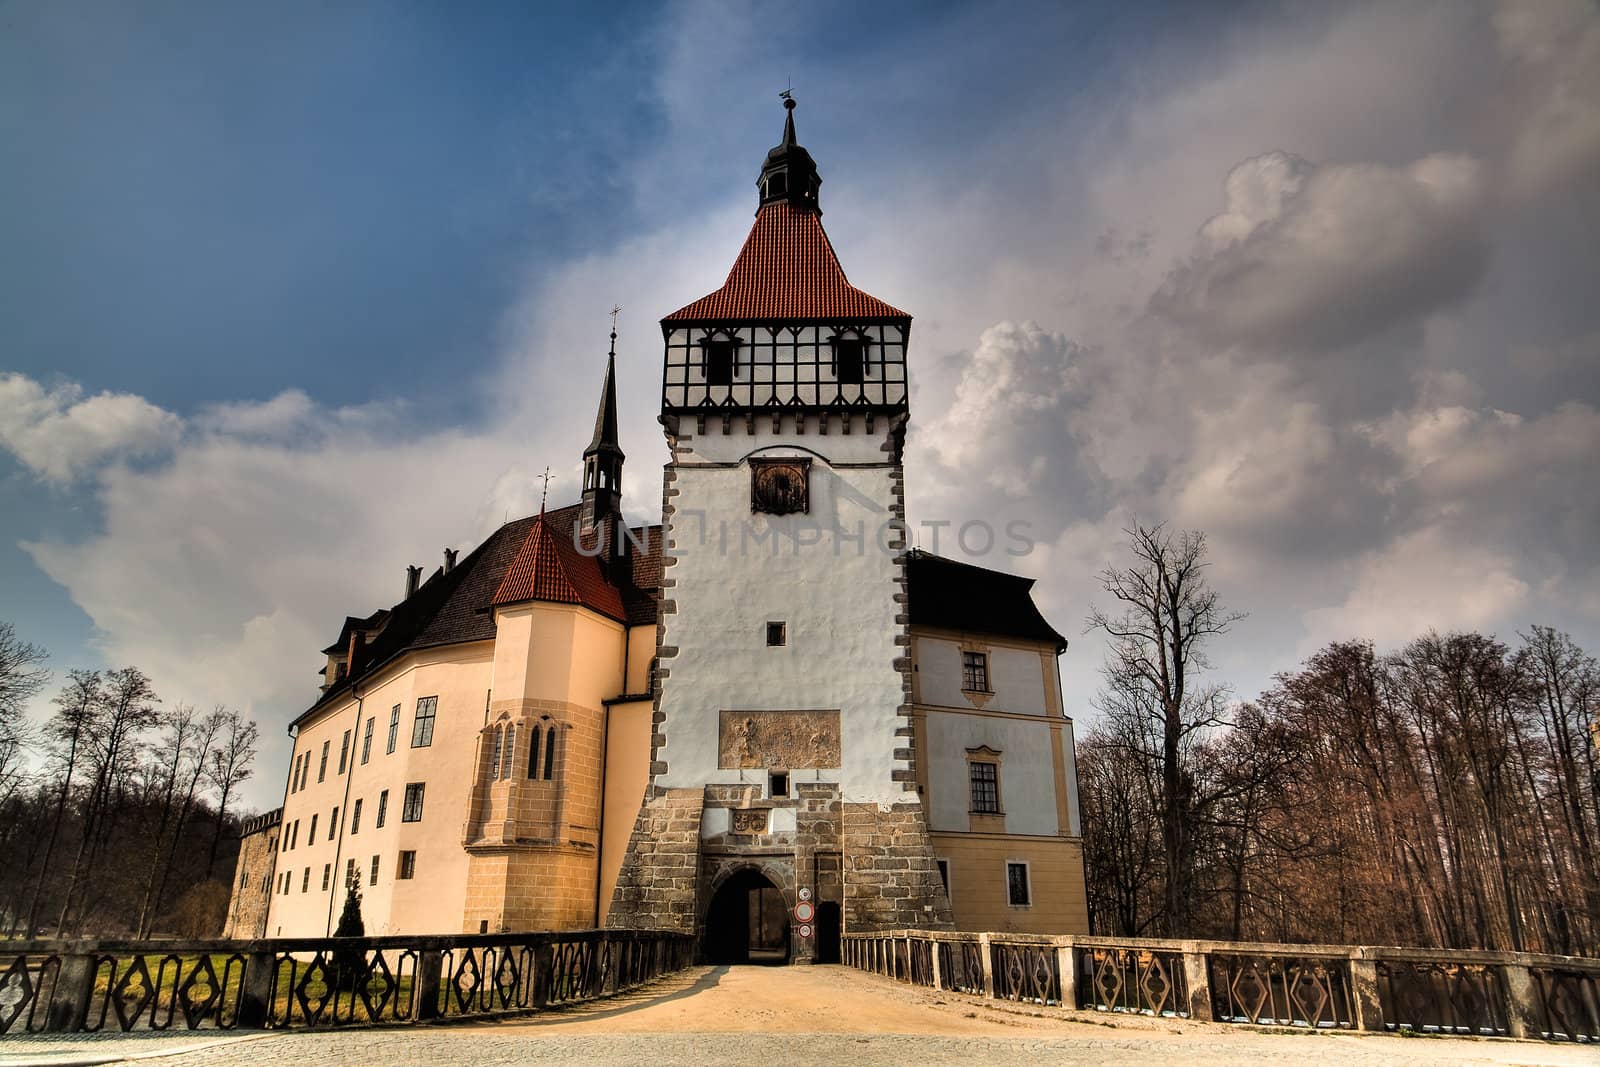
[
  {"x": 432, "y": 902},
  {"x": 627, "y": 774}
]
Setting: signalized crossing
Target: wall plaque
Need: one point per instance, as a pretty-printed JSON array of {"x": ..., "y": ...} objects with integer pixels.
[
  {"x": 790, "y": 740},
  {"x": 780, "y": 486}
]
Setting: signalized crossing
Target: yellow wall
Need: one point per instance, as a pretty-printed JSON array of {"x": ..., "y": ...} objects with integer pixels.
[
  {"x": 978, "y": 897},
  {"x": 627, "y": 774}
]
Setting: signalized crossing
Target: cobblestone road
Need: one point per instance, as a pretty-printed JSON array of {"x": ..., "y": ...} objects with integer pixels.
[{"x": 746, "y": 1015}]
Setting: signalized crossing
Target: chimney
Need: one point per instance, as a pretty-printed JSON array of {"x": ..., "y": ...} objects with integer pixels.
[
  {"x": 413, "y": 575},
  {"x": 449, "y": 560}
]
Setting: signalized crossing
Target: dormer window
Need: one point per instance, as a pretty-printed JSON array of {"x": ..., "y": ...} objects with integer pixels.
[
  {"x": 849, "y": 359},
  {"x": 718, "y": 355}
]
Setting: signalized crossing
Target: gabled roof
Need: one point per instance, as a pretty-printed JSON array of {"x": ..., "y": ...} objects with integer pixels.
[
  {"x": 786, "y": 270},
  {"x": 949, "y": 595},
  {"x": 457, "y": 606},
  {"x": 550, "y": 568}
]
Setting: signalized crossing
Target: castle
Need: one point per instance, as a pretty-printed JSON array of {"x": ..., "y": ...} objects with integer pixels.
[{"x": 766, "y": 720}]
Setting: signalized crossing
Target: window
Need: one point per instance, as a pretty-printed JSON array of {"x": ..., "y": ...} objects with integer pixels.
[
  {"x": 294, "y": 775},
  {"x": 550, "y": 753},
  {"x": 327, "y": 874},
  {"x": 322, "y": 768},
  {"x": 1017, "y": 890},
  {"x": 305, "y": 880},
  {"x": 849, "y": 360},
  {"x": 778, "y": 784},
  {"x": 383, "y": 809},
  {"x": 777, "y": 634},
  {"x": 244, "y": 875},
  {"x": 333, "y": 825},
  {"x": 374, "y": 879},
  {"x": 944, "y": 875},
  {"x": 985, "y": 787},
  {"x": 975, "y": 672},
  {"x": 509, "y": 750},
  {"x": 533, "y": 753},
  {"x": 294, "y": 835},
  {"x": 394, "y": 726},
  {"x": 355, "y": 817},
  {"x": 344, "y": 751},
  {"x": 411, "y": 810},
  {"x": 408, "y": 865},
  {"x": 719, "y": 361},
  {"x": 349, "y": 870},
  {"x": 366, "y": 742},
  {"x": 496, "y": 741},
  {"x": 422, "y": 727},
  {"x": 312, "y": 836},
  {"x": 300, "y": 764}
]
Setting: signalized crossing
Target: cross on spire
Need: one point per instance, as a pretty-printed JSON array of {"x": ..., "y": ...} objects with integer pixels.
[
  {"x": 545, "y": 491},
  {"x": 616, "y": 309}
]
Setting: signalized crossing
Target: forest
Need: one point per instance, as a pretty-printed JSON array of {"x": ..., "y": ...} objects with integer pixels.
[
  {"x": 116, "y": 812},
  {"x": 1442, "y": 794}
]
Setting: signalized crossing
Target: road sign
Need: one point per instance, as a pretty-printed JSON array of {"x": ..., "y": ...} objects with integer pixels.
[
  {"x": 803, "y": 912},
  {"x": 805, "y": 892},
  {"x": 805, "y": 931}
]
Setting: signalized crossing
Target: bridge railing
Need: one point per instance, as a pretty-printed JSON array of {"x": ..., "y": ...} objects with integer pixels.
[
  {"x": 97, "y": 986},
  {"x": 1362, "y": 987}
]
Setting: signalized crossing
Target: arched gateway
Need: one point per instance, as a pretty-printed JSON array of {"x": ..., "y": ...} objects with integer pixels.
[{"x": 747, "y": 921}]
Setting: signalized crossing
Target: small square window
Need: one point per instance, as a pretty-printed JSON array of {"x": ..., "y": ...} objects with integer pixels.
[
  {"x": 975, "y": 672},
  {"x": 1017, "y": 889},
  {"x": 778, "y": 784},
  {"x": 777, "y": 634},
  {"x": 408, "y": 864}
]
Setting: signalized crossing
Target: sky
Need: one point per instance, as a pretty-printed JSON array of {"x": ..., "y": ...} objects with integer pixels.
[{"x": 294, "y": 295}]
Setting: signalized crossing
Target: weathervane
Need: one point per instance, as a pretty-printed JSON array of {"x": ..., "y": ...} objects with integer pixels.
[
  {"x": 545, "y": 491},
  {"x": 788, "y": 94}
]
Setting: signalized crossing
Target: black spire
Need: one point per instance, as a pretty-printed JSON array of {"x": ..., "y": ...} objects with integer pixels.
[
  {"x": 789, "y": 172},
  {"x": 602, "y": 460}
]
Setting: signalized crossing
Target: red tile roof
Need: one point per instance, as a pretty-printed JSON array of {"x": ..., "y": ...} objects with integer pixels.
[
  {"x": 786, "y": 270},
  {"x": 549, "y": 567}
]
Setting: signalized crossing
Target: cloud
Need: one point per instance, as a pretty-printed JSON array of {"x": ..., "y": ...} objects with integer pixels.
[
  {"x": 1320, "y": 257},
  {"x": 60, "y": 436},
  {"x": 1425, "y": 580},
  {"x": 1553, "y": 52}
]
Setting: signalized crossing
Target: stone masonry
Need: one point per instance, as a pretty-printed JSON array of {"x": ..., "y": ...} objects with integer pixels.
[
  {"x": 890, "y": 873},
  {"x": 657, "y": 886}
]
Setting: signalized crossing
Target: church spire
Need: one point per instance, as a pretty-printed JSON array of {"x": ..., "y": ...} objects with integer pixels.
[
  {"x": 602, "y": 460},
  {"x": 789, "y": 173}
]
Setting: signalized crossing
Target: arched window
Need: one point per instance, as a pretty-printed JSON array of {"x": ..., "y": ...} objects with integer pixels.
[
  {"x": 495, "y": 741},
  {"x": 533, "y": 754},
  {"x": 550, "y": 754},
  {"x": 509, "y": 751}
]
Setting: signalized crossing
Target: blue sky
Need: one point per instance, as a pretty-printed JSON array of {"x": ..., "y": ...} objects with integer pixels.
[{"x": 292, "y": 295}]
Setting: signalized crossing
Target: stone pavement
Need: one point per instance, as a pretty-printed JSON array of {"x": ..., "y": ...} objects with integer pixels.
[{"x": 746, "y": 1015}]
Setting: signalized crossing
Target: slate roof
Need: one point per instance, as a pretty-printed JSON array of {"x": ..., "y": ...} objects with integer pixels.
[
  {"x": 458, "y": 606},
  {"x": 950, "y": 595},
  {"x": 786, "y": 270}
]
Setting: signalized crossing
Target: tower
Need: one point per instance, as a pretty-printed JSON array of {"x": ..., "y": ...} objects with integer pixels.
[
  {"x": 602, "y": 464},
  {"x": 782, "y": 757}
]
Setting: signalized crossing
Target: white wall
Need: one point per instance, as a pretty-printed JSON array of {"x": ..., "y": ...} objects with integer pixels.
[
  {"x": 1016, "y": 676},
  {"x": 1027, "y": 771},
  {"x": 735, "y": 572}
]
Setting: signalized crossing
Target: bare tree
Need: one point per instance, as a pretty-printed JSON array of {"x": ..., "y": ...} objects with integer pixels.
[
  {"x": 230, "y": 766},
  {"x": 21, "y": 677},
  {"x": 127, "y": 709},
  {"x": 1166, "y": 614},
  {"x": 69, "y": 732}
]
